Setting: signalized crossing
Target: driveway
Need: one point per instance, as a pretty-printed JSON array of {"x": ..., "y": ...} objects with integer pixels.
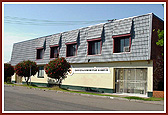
[{"x": 19, "y": 98}]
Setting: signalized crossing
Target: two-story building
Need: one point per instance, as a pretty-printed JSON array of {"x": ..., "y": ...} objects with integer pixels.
[{"x": 113, "y": 57}]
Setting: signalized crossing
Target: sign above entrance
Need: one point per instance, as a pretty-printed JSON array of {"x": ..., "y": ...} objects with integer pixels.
[
  {"x": 92, "y": 70},
  {"x": 89, "y": 70}
]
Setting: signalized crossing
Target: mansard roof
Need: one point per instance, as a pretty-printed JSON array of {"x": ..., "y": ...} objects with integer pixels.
[{"x": 139, "y": 27}]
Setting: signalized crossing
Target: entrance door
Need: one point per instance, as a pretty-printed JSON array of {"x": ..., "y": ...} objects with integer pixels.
[{"x": 131, "y": 80}]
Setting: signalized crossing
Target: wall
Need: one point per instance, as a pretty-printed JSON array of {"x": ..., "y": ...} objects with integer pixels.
[
  {"x": 156, "y": 55},
  {"x": 102, "y": 82},
  {"x": 107, "y": 80},
  {"x": 13, "y": 78},
  {"x": 98, "y": 80}
]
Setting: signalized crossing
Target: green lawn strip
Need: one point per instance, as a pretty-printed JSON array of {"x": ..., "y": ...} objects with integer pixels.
[
  {"x": 144, "y": 99},
  {"x": 90, "y": 93},
  {"x": 65, "y": 90},
  {"x": 9, "y": 84}
]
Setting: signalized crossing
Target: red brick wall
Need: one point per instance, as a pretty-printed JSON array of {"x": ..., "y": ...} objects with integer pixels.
[
  {"x": 158, "y": 74},
  {"x": 158, "y": 94}
]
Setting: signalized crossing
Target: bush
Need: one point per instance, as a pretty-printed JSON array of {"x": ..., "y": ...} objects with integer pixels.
[
  {"x": 57, "y": 69},
  {"x": 8, "y": 72},
  {"x": 23, "y": 69}
]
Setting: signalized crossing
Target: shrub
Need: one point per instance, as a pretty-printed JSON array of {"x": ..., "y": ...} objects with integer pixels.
[
  {"x": 23, "y": 69},
  {"x": 57, "y": 69},
  {"x": 8, "y": 72}
]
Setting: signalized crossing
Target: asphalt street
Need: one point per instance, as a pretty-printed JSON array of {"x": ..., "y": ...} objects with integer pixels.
[{"x": 19, "y": 98}]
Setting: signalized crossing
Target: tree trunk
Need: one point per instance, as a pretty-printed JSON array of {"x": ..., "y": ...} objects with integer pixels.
[
  {"x": 59, "y": 83},
  {"x": 27, "y": 80}
]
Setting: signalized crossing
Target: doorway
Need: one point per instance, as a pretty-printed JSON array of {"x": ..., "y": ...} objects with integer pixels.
[{"x": 128, "y": 80}]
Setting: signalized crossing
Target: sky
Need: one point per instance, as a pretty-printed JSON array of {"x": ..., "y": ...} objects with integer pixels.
[{"x": 28, "y": 21}]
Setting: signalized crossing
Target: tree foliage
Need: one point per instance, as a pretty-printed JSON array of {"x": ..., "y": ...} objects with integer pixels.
[
  {"x": 160, "y": 41},
  {"x": 23, "y": 69},
  {"x": 57, "y": 69},
  {"x": 8, "y": 71}
]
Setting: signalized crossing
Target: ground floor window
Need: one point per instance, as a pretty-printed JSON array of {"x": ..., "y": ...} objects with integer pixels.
[
  {"x": 41, "y": 72},
  {"x": 131, "y": 80}
]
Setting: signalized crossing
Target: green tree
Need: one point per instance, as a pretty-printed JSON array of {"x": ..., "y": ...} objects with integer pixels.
[
  {"x": 57, "y": 69},
  {"x": 8, "y": 72},
  {"x": 160, "y": 41},
  {"x": 23, "y": 69}
]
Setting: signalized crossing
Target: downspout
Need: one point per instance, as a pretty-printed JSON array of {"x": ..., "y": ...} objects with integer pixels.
[{"x": 150, "y": 37}]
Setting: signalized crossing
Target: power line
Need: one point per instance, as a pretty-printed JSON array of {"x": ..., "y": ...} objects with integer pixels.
[
  {"x": 28, "y": 21},
  {"x": 46, "y": 20}
]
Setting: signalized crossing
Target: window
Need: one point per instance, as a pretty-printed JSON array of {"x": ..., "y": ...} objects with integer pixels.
[
  {"x": 94, "y": 47},
  {"x": 54, "y": 52},
  {"x": 121, "y": 44},
  {"x": 40, "y": 53},
  {"x": 41, "y": 72},
  {"x": 71, "y": 50}
]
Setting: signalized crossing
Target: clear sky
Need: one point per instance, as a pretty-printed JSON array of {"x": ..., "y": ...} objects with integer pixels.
[{"x": 28, "y": 21}]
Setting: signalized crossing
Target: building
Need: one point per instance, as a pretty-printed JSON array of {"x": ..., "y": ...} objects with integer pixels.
[{"x": 115, "y": 57}]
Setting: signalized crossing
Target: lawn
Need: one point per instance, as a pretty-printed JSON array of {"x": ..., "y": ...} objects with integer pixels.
[{"x": 144, "y": 99}]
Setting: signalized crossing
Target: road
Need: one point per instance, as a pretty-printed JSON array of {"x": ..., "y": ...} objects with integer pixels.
[{"x": 24, "y": 99}]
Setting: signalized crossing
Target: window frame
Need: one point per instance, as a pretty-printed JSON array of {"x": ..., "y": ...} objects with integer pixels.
[
  {"x": 40, "y": 48},
  {"x": 121, "y": 37},
  {"x": 54, "y": 46},
  {"x": 39, "y": 72},
  {"x": 71, "y": 43},
  {"x": 94, "y": 40}
]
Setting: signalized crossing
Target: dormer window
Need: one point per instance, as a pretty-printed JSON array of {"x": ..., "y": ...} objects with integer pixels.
[
  {"x": 121, "y": 43},
  {"x": 71, "y": 49},
  {"x": 40, "y": 53},
  {"x": 54, "y": 51},
  {"x": 94, "y": 46}
]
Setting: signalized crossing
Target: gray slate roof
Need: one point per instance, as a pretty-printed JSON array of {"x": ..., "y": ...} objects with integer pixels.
[
  {"x": 55, "y": 39},
  {"x": 140, "y": 28},
  {"x": 95, "y": 31},
  {"x": 40, "y": 42},
  {"x": 70, "y": 36},
  {"x": 122, "y": 26}
]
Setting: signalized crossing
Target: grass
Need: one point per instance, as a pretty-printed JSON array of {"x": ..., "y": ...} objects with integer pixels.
[
  {"x": 9, "y": 83},
  {"x": 145, "y": 99},
  {"x": 56, "y": 88},
  {"x": 90, "y": 93}
]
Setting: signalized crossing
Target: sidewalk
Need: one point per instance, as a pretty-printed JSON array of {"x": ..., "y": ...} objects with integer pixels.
[{"x": 120, "y": 98}]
